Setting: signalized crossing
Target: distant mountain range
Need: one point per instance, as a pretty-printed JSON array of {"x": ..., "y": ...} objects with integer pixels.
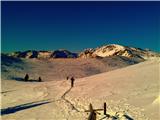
[
  {"x": 44, "y": 54},
  {"x": 100, "y": 52},
  {"x": 86, "y": 63}
]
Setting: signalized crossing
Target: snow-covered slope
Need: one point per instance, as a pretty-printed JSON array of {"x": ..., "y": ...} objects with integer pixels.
[
  {"x": 14, "y": 67},
  {"x": 132, "y": 91}
]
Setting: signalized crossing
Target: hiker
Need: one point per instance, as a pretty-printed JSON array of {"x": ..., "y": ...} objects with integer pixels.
[
  {"x": 67, "y": 77},
  {"x": 39, "y": 79},
  {"x": 26, "y": 78},
  {"x": 72, "y": 81}
]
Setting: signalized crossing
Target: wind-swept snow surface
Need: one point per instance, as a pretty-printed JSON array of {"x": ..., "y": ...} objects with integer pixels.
[{"x": 131, "y": 92}]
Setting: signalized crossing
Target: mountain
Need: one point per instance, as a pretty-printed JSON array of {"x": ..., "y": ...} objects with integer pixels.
[
  {"x": 99, "y": 52},
  {"x": 88, "y": 62},
  {"x": 118, "y": 50},
  {"x": 108, "y": 74},
  {"x": 44, "y": 54}
]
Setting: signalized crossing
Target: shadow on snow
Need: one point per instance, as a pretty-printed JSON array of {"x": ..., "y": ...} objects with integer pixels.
[{"x": 17, "y": 108}]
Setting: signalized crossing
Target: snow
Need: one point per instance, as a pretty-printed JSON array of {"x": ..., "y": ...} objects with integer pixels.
[
  {"x": 131, "y": 91},
  {"x": 108, "y": 50}
]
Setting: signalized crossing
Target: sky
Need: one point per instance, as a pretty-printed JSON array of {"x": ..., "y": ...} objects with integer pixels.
[{"x": 78, "y": 25}]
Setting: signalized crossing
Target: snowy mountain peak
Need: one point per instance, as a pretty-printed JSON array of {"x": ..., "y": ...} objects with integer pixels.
[
  {"x": 108, "y": 50},
  {"x": 118, "y": 50}
]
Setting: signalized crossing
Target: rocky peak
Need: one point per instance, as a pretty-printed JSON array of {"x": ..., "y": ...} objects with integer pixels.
[
  {"x": 87, "y": 53},
  {"x": 63, "y": 54}
]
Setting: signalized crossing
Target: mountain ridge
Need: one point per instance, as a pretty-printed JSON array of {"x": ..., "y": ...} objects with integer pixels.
[{"x": 100, "y": 52}]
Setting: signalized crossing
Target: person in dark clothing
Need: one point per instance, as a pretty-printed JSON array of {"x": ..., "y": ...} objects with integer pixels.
[
  {"x": 39, "y": 79},
  {"x": 72, "y": 81},
  {"x": 26, "y": 78},
  {"x": 67, "y": 78}
]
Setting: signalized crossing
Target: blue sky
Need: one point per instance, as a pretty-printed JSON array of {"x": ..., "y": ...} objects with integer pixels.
[{"x": 78, "y": 25}]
